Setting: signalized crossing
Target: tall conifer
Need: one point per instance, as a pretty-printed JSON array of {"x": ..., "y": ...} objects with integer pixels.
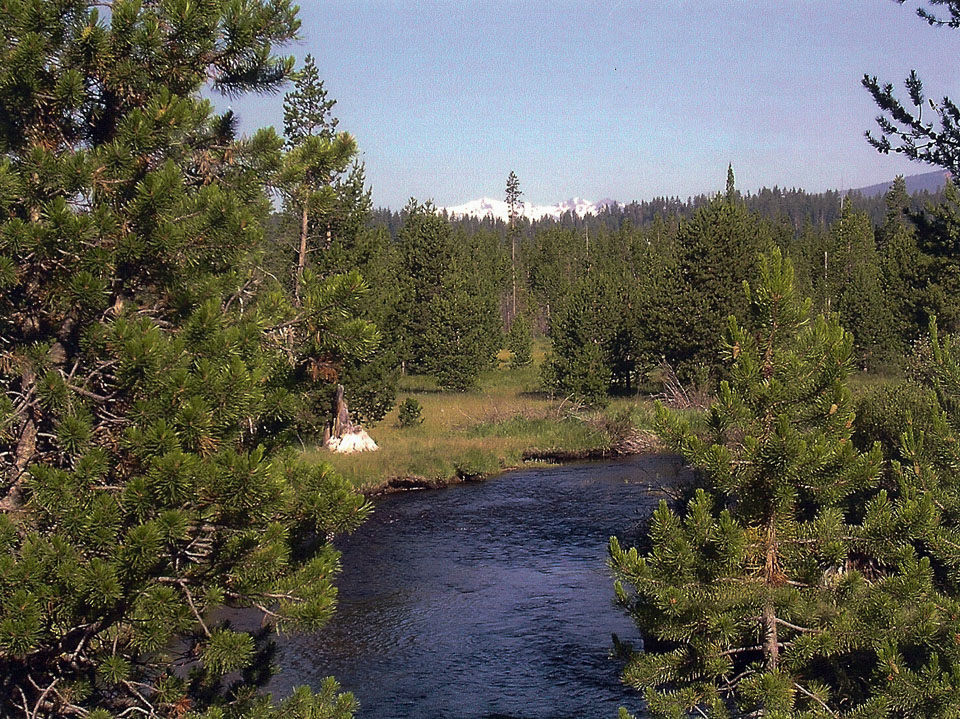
[
  {"x": 147, "y": 399},
  {"x": 515, "y": 208},
  {"x": 796, "y": 580},
  {"x": 316, "y": 155},
  {"x": 854, "y": 284},
  {"x": 749, "y": 598},
  {"x": 717, "y": 251}
]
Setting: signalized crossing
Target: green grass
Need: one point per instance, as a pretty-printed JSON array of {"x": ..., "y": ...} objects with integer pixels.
[
  {"x": 482, "y": 432},
  {"x": 862, "y": 382}
]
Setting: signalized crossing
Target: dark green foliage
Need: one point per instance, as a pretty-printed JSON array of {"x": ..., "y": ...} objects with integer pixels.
[
  {"x": 308, "y": 178},
  {"x": 513, "y": 195},
  {"x": 307, "y": 112},
  {"x": 937, "y": 366},
  {"x": 323, "y": 231},
  {"x": 150, "y": 382},
  {"x": 553, "y": 264},
  {"x": 717, "y": 251},
  {"x": 886, "y": 411},
  {"x": 903, "y": 269},
  {"x": 925, "y": 533},
  {"x": 456, "y": 343},
  {"x": 854, "y": 288},
  {"x": 371, "y": 384},
  {"x": 481, "y": 263},
  {"x": 582, "y": 376},
  {"x": 519, "y": 343},
  {"x": 410, "y": 413},
  {"x": 844, "y": 272},
  {"x": 740, "y": 584},
  {"x": 446, "y": 317},
  {"x": 938, "y": 269},
  {"x": 904, "y": 128},
  {"x": 794, "y": 583},
  {"x": 425, "y": 252},
  {"x": 659, "y": 292},
  {"x": 578, "y": 366},
  {"x": 513, "y": 232}
]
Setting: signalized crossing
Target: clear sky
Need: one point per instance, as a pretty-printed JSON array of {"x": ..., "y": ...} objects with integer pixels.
[{"x": 626, "y": 99}]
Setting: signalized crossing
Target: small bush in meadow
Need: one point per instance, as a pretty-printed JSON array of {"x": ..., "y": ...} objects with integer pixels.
[{"x": 411, "y": 413}]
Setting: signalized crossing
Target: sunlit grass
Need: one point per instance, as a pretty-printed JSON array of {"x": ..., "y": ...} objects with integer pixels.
[{"x": 482, "y": 432}]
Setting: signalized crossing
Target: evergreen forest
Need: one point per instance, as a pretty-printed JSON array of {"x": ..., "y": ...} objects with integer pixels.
[{"x": 182, "y": 305}]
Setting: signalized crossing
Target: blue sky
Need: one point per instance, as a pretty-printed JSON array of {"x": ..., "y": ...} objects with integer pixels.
[{"x": 627, "y": 99}]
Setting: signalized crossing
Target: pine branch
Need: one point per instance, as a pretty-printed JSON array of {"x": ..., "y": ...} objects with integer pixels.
[{"x": 817, "y": 699}]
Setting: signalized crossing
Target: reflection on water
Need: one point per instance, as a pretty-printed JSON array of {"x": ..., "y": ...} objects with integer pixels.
[{"x": 485, "y": 600}]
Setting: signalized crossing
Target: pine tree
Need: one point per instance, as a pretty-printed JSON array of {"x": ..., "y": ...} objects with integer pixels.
[
  {"x": 796, "y": 579},
  {"x": 902, "y": 266},
  {"x": 481, "y": 261},
  {"x": 653, "y": 320},
  {"x": 454, "y": 343},
  {"x": 519, "y": 343},
  {"x": 515, "y": 209},
  {"x": 717, "y": 251},
  {"x": 553, "y": 267},
  {"x": 578, "y": 366},
  {"x": 938, "y": 239},
  {"x": 425, "y": 250},
  {"x": 752, "y": 598},
  {"x": 149, "y": 390},
  {"x": 316, "y": 156},
  {"x": 307, "y": 111},
  {"x": 325, "y": 192},
  {"x": 905, "y": 129},
  {"x": 854, "y": 284},
  {"x": 730, "y": 193}
]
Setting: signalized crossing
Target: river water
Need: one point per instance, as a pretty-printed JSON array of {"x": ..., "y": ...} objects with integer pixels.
[{"x": 490, "y": 600}]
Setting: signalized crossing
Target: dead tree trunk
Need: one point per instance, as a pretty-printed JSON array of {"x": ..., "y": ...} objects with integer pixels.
[
  {"x": 341, "y": 423},
  {"x": 301, "y": 254},
  {"x": 772, "y": 579}
]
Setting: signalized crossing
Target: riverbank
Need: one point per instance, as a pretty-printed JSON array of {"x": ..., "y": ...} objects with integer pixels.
[{"x": 506, "y": 424}]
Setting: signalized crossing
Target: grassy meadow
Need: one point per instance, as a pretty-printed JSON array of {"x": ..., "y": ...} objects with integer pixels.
[{"x": 474, "y": 434}]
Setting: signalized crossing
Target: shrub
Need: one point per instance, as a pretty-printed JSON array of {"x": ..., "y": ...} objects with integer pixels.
[
  {"x": 583, "y": 376},
  {"x": 519, "y": 343},
  {"x": 411, "y": 413}
]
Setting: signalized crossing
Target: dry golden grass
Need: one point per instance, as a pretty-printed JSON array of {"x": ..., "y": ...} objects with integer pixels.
[{"x": 475, "y": 433}]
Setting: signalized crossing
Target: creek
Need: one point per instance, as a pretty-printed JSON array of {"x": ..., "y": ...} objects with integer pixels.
[{"x": 488, "y": 600}]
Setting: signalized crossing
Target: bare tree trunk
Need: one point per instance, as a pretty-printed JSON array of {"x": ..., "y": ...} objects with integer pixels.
[
  {"x": 772, "y": 578},
  {"x": 341, "y": 418},
  {"x": 771, "y": 647},
  {"x": 513, "y": 263},
  {"x": 26, "y": 449},
  {"x": 302, "y": 254}
]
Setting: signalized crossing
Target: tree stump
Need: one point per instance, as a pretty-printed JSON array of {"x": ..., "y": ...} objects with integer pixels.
[{"x": 341, "y": 434}]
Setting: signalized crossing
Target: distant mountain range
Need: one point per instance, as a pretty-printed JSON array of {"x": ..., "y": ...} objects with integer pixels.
[
  {"x": 499, "y": 210},
  {"x": 927, "y": 182}
]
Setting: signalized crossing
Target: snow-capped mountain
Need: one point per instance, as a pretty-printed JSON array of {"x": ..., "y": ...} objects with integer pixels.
[{"x": 488, "y": 207}]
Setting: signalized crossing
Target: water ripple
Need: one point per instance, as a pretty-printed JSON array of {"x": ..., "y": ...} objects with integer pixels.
[{"x": 485, "y": 601}]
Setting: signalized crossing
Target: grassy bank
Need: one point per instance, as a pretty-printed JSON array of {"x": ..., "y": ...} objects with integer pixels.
[{"x": 502, "y": 425}]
